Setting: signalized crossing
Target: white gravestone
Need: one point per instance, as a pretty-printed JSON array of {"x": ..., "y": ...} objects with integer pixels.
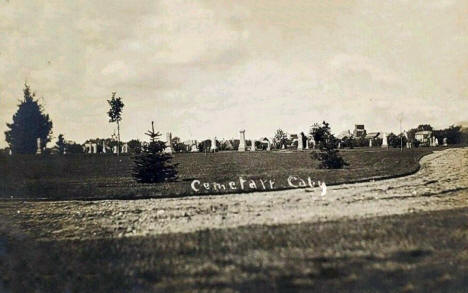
[
  {"x": 242, "y": 141},
  {"x": 300, "y": 142},
  {"x": 252, "y": 148},
  {"x": 38, "y": 150},
  {"x": 214, "y": 147},
  {"x": 384, "y": 140},
  {"x": 125, "y": 148},
  {"x": 104, "y": 147}
]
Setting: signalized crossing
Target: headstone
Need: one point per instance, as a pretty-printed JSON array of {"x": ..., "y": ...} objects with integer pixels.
[
  {"x": 370, "y": 142},
  {"x": 445, "y": 141},
  {"x": 39, "y": 149},
  {"x": 253, "y": 148},
  {"x": 194, "y": 148},
  {"x": 268, "y": 145},
  {"x": 307, "y": 143},
  {"x": 314, "y": 143},
  {"x": 436, "y": 141},
  {"x": 228, "y": 144},
  {"x": 169, "y": 148},
  {"x": 124, "y": 148},
  {"x": 10, "y": 152},
  {"x": 283, "y": 147},
  {"x": 384, "y": 140},
  {"x": 300, "y": 142},
  {"x": 104, "y": 147},
  {"x": 115, "y": 149},
  {"x": 242, "y": 141},
  {"x": 214, "y": 147},
  {"x": 408, "y": 145},
  {"x": 94, "y": 148},
  {"x": 339, "y": 144}
]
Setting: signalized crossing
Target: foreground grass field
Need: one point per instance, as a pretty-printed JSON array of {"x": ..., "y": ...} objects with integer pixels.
[
  {"x": 108, "y": 176},
  {"x": 421, "y": 252}
]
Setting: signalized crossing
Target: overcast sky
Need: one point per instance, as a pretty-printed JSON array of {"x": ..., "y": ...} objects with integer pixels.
[{"x": 210, "y": 68}]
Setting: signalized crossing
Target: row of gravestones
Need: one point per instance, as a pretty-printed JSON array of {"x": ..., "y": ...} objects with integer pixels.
[
  {"x": 242, "y": 144},
  {"x": 300, "y": 144},
  {"x": 434, "y": 141},
  {"x": 90, "y": 148}
]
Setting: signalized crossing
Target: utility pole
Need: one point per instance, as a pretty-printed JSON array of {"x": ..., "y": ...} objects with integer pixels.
[{"x": 400, "y": 118}]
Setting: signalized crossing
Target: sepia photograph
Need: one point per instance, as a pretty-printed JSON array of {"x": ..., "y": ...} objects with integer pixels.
[{"x": 233, "y": 146}]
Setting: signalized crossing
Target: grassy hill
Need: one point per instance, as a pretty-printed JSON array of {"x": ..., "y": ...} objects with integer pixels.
[{"x": 109, "y": 176}]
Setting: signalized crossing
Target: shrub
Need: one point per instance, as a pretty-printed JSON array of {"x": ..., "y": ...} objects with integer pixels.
[{"x": 329, "y": 156}]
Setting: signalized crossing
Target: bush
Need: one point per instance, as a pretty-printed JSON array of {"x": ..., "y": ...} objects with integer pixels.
[{"x": 329, "y": 156}]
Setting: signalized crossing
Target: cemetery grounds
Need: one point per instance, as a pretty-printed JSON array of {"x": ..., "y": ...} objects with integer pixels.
[{"x": 402, "y": 234}]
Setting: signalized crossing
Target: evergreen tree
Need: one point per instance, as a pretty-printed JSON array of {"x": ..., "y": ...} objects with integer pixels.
[
  {"x": 29, "y": 124},
  {"x": 328, "y": 155},
  {"x": 152, "y": 165}
]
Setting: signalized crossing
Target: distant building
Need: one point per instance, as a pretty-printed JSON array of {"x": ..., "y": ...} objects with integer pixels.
[
  {"x": 423, "y": 137},
  {"x": 359, "y": 130}
]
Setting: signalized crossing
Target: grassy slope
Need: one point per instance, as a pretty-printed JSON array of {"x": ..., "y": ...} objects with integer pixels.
[
  {"x": 417, "y": 252},
  {"x": 85, "y": 176}
]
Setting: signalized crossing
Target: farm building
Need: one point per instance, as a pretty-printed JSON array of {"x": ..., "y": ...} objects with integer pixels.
[
  {"x": 359, "y": 130},
  {"x": 423, "y": 137}
]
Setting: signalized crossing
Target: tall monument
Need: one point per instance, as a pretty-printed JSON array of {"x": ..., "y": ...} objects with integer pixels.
[
  {"x": 242, "y": 141},
  {"x": 214, "y": 147},
  {"x": 300, "y": 141},
  {"x": 169, "y": 148}
]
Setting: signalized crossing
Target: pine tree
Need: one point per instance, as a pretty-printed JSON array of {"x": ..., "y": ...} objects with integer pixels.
[
  {"x": 328, "y": 155},
  {"x": 152, "y": 165},
  {"x": 29, "y": 124}
]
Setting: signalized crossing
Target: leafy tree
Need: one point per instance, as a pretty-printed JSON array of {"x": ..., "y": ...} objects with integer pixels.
[
  {"x": 115, "y": 114},
  {"x": 152, "y": 165},
  {"x": 60, "y": 144},
  {"x": 204, "y": 146},
  {"x": 453, "y": 135},
  {"x": 134, "y": 146},
  {"x": 280, "y": 138},
  {"x": 328, "y": 155},
  {"x": 424, "y": 127},
  {"x": 396, "y": 141},
  {"x": 320, "y": 132},
  {"x": 73, "y": 148},
  {"x": 178, "y": 145},
  {"x": 29, "y": 124}
]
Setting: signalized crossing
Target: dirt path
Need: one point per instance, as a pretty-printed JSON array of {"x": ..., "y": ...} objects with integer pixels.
[{"x": 442, "y": 183}]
